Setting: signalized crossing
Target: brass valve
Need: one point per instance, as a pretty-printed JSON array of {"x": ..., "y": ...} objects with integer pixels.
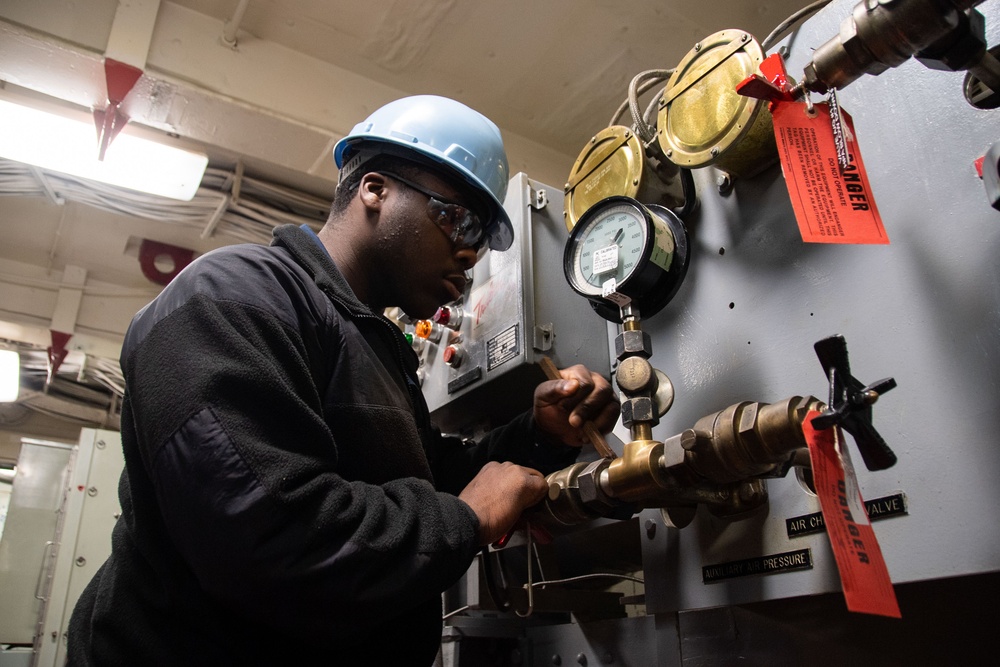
[
  {"x": 748, "y": 439},
  {"x": 720, "y": 462},
  {"x": 717, "y": 463}
]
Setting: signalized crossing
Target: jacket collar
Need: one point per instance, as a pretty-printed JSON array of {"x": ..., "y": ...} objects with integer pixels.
[{"x": 315, "y": 259}]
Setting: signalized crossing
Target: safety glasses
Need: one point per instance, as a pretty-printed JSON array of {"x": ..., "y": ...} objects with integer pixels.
[{"x": 458, "y": 223}]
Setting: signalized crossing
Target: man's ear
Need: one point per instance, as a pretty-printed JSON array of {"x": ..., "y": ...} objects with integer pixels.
[{"x": 371, "y": 190}]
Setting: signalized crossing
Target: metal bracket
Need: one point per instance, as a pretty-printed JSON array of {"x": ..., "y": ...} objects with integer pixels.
[
  {"x": 539, "y": 199},
  {"x": 542, "y": 337}
]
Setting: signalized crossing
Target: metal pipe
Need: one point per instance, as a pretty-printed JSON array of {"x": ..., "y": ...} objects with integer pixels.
[
  {"x": 880, "y": 35},
  {"x": 987, "y": 70},
  {"x": 233, "y": 24}
]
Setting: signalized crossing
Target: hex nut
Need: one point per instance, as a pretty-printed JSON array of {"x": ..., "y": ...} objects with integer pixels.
[
  {"x": 629, "y": 343},
  {"x": 748, "y": 418},
  {"x": 854, "y": 46},
  {"x": 588, "y": 482},
  {"x": 638, "y": 409},
  {"x": 966, "y": 50},
  {"x": 674, "y": 450}
]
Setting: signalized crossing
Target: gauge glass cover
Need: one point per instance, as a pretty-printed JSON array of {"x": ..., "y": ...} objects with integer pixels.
[{"x": 609, "y": 247}]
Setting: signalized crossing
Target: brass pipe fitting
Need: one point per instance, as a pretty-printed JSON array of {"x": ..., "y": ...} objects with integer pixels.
[
  {"x": 748, "y": 439},
  {"x": 637, "y": 475},
  {"x": 714, "y": 464}
]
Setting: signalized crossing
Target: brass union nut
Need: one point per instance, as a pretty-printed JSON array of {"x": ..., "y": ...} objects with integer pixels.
[
  {"x": 629, "y": 343},
  {"x": 638, "y": 409}
]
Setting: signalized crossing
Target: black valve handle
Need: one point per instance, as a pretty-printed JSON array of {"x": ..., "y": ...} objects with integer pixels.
[{"x": 850, "y": 403}]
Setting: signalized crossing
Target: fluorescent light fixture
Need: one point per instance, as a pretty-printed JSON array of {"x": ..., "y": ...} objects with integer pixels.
[
  {"x": 67, "y": 144},
  {"x": 10, "y": 375}
]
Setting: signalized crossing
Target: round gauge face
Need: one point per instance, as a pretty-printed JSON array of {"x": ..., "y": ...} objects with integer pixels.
[{"x": 609, "y": 246}]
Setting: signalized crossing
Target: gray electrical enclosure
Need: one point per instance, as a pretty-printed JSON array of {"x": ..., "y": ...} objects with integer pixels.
[{"x": 518, "y": 308}]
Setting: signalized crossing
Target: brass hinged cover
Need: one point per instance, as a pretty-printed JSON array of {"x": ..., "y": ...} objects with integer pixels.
[
  {"x": 610, "y": 164},
  {"x": 702, "y": 120}
]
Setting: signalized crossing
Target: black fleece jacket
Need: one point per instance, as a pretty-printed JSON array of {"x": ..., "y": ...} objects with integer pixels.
[{"x": 285, "y": 499}]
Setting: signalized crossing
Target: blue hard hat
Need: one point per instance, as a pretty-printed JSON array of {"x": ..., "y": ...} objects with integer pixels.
[{"x": 450, "y": 134}]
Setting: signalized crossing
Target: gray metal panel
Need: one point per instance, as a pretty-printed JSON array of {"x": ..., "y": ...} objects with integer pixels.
[
  {"x": 28, "y": 545},
  {"x": 92, "y": 509},
  {"x": 923, "y": 309},
  {"x": 628, "y": 642}
]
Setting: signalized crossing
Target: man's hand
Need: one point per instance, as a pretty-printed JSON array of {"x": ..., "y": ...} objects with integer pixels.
[
  {"x": 498, "y": 495},
  {"x": 562, "y": 406}
]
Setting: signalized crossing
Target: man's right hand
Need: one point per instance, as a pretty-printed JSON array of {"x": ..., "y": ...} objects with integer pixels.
[{"x": 499, "y": 494}]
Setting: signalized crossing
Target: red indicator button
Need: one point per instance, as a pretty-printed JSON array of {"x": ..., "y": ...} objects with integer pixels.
[{"x": 452, "y": 356}]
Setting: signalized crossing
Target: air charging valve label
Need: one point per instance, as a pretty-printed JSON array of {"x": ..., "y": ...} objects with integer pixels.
[{"x": 877, "y": 508}]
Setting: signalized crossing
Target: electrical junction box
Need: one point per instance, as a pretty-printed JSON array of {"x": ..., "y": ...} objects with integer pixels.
[{"x": 517, "y": 309}]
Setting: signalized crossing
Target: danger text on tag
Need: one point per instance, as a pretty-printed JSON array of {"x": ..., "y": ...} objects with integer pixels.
[
  {"x": 832, "y": 205},
  {"x": 863, "y": 574}
]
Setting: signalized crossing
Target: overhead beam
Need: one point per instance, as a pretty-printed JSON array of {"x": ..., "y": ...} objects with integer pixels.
[{"x": 132, "y": 32}]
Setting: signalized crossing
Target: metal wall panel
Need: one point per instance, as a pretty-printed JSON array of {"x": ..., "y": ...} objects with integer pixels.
[
  {"x": 92, "y": 509},
  {"x": 28, "y": 545},
  {"x": 923, "y": 309}
]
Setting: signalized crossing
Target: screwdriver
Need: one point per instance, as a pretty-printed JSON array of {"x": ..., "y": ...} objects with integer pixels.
[{"x": 589, "y": 429}]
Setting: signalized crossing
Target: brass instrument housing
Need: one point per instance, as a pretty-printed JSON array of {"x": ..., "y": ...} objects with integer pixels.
[
  {"x": 703, "y": 121},
  {"x": 614, "y": 163}
]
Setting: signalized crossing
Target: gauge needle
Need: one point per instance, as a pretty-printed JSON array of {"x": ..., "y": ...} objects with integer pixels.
[{"x": 618, "y": 235}]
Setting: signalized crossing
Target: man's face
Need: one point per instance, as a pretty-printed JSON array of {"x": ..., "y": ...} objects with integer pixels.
[{"x": 425, "y": 268}]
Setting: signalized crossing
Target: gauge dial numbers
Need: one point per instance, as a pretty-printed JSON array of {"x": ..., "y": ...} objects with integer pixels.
[{"x": 609, "y": 249}]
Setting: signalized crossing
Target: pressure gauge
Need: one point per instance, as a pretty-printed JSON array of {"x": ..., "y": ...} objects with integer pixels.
[{"x": 622, "y": 253}]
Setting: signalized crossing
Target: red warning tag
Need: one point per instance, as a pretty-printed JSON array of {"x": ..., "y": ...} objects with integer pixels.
[
  {"x": 832, "y": 205},
  {"x": 863, "y": 574}
]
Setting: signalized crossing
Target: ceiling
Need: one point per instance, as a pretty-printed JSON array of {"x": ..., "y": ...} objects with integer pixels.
[{"x": 298, "y": 76}]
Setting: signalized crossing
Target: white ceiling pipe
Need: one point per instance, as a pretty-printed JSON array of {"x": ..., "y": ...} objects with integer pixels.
[{"x": 233, "y": 24}]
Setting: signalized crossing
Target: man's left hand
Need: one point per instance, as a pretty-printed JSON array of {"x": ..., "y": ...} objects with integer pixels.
[{"x": 562, "y": 406}]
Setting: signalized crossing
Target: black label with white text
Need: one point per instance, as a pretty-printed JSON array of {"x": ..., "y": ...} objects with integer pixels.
[
  {"x": 787, "y": 561},
  {"x": 877, "y": 508}
]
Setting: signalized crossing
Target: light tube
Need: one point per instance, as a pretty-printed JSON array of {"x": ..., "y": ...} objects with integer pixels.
[
  {"x": 68, "y": 145},
  {"x": 10, "y": 375}
]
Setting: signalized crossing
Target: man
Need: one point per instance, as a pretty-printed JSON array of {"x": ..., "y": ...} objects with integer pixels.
[{"x": 285, "y": 498}]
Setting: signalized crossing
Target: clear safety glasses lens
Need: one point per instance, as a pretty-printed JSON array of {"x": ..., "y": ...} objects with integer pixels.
[{"x": 458, "y": 223}]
